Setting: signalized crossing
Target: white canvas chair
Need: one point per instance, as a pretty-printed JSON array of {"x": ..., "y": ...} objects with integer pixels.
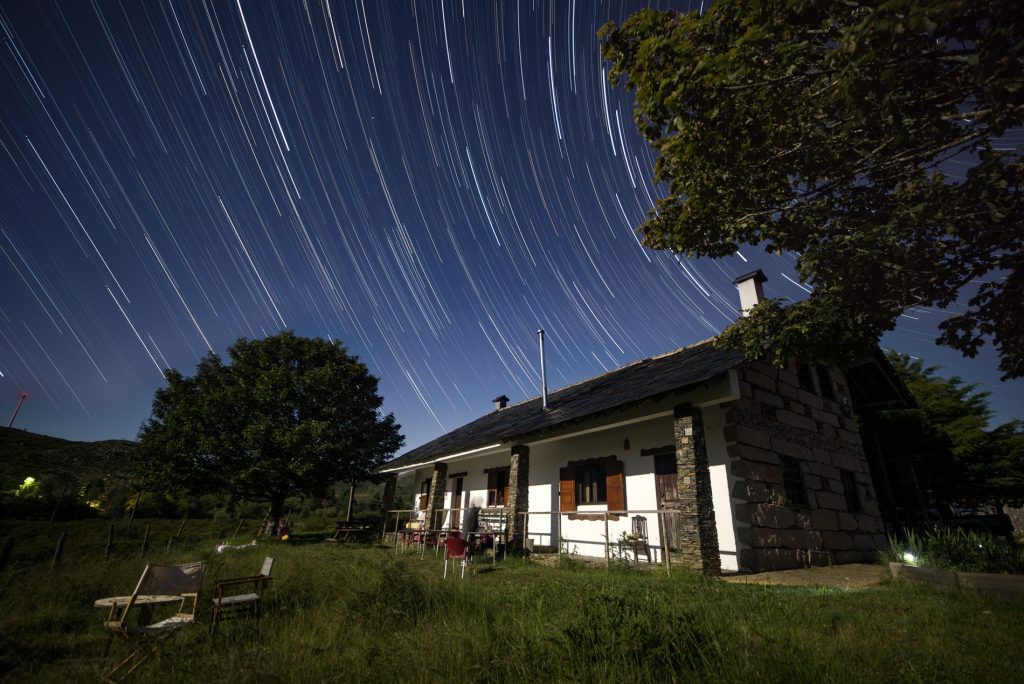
[
  {"x": 228, "y": 601},
  {"x": 158, "y": 585}
]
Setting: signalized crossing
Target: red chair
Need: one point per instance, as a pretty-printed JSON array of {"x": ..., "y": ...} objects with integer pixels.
[{"x": 456, "y": 549}]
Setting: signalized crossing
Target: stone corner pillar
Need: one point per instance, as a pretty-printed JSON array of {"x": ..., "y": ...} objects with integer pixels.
[
  {"x": 435, "y": 499},
  {"x": 518, "y": 494},
  {"x": 698, "y": 536}
]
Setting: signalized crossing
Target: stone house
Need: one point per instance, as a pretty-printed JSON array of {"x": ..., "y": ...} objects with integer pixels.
[{"x": 735, "y": 465}]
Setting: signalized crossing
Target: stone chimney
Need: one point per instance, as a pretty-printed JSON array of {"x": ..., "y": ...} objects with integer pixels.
[
  {"x": 751, "y": 290},
  {"x": 500, "y": 402}
]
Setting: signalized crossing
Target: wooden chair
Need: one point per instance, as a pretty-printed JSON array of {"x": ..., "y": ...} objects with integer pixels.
[
  {"x": 229, "y": 602},
  {"x": 637, "y": 540},
  {"x": 158, "y": 585}
]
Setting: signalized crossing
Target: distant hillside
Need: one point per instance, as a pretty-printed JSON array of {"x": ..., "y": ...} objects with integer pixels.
[{"x": 26, "y": 454}]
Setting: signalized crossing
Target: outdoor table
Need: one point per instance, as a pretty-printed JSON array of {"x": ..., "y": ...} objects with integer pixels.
[{"x": 357, "y": 532}]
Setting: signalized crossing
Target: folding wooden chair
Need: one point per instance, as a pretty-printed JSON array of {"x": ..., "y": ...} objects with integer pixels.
[
  {"x": 638, "y": 538},
  {"x": 227, "y": 604},
  {"x": 158, "y": 585}
]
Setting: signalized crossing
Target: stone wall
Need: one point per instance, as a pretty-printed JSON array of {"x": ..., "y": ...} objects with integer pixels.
[
  {"x": 697, "y": 534},
  {"x": 775, "y": 418},
  {"x": 519, "y": 492},
  {"x": 435, "y": 499}
]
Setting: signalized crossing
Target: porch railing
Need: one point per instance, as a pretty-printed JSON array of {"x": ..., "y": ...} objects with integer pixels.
[{"x": 664, "y": 518}]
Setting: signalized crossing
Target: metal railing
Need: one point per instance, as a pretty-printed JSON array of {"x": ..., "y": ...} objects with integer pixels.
[{"x": 664, "y": 516}]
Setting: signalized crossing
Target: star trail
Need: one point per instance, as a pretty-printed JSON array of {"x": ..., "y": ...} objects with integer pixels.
[{"x": 428, "y": 182}]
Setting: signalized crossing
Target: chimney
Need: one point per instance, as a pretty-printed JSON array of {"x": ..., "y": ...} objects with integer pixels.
[
  {"x": 500, "y": 402},
  {"x": 543, "y": 377},
  {"x": 751, "y": 291}
]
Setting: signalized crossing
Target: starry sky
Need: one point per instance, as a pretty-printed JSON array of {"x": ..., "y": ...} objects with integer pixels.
[{"x": 429, "y": 182}]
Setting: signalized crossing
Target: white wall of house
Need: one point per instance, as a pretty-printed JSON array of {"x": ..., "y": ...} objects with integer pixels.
[
  {"x": 646, "y": 427},
  {"x": 546, "y": 527},
  {"x": 722, "y": 482}
]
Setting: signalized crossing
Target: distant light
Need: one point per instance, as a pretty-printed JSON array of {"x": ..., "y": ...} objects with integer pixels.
[{"x": 909, "y": 558}]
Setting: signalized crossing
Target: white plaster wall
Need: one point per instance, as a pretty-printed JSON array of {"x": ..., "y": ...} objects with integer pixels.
[
  {"x": 587, "y": 537},
  {"x": 722, "y": 482},
  {"x": 474, "y": 482},
  {"x": 546, "y": 527}
]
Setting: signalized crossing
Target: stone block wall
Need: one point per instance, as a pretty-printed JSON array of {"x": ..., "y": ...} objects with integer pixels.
[
  {"x": 518, "y": 492},
  {"x": 435, "y": 499},
  {"x": 774, "y": 418},
  {"x": 697, "y": 534}
]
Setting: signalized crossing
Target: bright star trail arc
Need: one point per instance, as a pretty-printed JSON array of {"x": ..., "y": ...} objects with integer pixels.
[{"x": 427, "y": 182}]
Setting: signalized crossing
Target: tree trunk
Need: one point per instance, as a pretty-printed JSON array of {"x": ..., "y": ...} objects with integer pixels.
[{"x": 274, "y": 514}]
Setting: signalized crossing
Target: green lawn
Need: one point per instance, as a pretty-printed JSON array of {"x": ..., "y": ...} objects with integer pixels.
[{"x": 352, "y": 614}]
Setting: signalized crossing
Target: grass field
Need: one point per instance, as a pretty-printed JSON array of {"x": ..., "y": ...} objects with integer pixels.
[{"x": 363, "y": 614}]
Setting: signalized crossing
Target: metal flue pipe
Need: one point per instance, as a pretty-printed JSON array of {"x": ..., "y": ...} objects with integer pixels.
[
  {"x": 21, "y": 400},
  {"x": 543, "y": 377}
]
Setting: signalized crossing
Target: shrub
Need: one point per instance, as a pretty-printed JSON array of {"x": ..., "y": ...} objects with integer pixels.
[{"x": 959, "y": 550}]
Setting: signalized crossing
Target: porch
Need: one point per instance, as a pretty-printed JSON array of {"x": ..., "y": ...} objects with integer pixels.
[{"x": 621, "y": 533}]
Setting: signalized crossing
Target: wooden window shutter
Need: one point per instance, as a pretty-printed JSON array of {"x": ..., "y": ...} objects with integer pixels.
[
  {"x": 424, "y": 494},
  {"x": 567, "y": 489},
  {"x": 615, "y": 486}
]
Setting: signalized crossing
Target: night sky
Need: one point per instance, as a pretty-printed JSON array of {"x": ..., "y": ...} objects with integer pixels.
[{"x": 428, "y": 182}]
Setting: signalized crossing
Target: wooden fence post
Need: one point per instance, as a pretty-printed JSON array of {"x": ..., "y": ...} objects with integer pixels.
[
  {"x": 59, "y": 550},
  {"x": 131, "y": 517},
  {"x": 110, "y": 542},
  {"x": 170, "y": 542},
  {"x": 607, "y": 542},
  {"x": 145, "y": 542}
]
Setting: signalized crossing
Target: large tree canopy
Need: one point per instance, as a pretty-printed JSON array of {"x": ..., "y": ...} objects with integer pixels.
[
  {"x": 289, "y": 415},
  {"x": 823, "y": 128}
]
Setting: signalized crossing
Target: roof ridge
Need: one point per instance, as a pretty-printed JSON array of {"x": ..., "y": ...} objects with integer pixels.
[{"x": 618, "y": 368}]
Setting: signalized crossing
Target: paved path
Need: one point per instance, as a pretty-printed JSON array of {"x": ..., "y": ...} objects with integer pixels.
[{"x": 851, "y": 576}]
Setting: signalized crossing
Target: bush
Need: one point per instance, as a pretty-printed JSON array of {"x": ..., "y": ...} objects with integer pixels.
[{"x": 958, "y": 550}]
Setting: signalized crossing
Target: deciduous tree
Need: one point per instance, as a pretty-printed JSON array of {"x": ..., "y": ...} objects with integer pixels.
[
  {"x": 828, "y": 129},
  {"x": 289, "y": 415}
]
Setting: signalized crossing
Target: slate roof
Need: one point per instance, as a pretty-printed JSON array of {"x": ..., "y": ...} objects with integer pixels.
[{"x": 630, "y": 384}]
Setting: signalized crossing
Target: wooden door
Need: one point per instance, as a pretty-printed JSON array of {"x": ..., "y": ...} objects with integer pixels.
[
  {"x": 665, "y": 485},
  {"x": 457, "y": 503}
]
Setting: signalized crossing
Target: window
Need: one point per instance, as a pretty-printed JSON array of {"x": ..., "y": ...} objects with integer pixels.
[
  {"x": 793, "y": 481},
  {"x": 825, "y": 382},
  {"x": 850, "y": 491},
  {"x": 424, "y": 494},
  {"x": 497, "y": 486},
  {"x": 804, "y": 377},
  {"x": 591, "y": 484},
  {"x": 594, "y": 481}
]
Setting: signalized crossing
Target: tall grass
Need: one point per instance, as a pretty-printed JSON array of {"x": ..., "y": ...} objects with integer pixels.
[
  {"x": 365, "y": 614},
  {"x": 959, "y": 550}
]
